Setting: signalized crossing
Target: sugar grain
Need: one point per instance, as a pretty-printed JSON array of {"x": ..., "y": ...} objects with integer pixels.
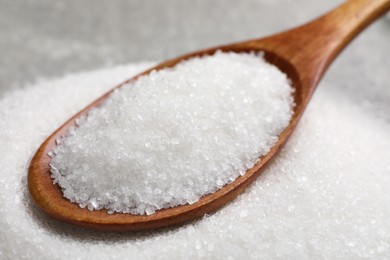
[
  {"x": 325, "y": 196},
  {"x": 170, "y": 137}
]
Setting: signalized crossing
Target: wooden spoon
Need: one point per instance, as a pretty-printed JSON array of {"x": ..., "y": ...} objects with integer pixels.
[{"x": 303, "y": 53}]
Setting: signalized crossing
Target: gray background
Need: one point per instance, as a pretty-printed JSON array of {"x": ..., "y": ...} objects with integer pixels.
[
  {"x": 46, "y": 38},
  {"x": 50, "y": 38}
]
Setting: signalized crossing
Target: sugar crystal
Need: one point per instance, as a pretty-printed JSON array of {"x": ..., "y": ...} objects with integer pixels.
[
  {"x": 173, "y": 132},
  {"x": 359, "y": 137}
]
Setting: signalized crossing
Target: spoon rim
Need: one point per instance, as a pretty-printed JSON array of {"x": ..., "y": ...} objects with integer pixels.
[{"x": 49, "y": 196}]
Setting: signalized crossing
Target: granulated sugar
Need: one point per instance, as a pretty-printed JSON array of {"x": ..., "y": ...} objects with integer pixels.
[
  {"x": 175, "y": 135},
  {"x": 326, "y": 195}
]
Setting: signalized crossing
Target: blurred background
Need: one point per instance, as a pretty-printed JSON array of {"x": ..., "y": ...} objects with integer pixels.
[
  {"x": 51, "y": 38},
  {"x": 47, "y": 38}
]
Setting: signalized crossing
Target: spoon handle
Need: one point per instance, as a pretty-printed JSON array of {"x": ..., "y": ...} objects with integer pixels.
[{"x": 313, "y": 46}]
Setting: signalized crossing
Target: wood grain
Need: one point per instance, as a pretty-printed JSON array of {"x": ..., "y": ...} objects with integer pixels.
[{"x": 303, "y": 53}]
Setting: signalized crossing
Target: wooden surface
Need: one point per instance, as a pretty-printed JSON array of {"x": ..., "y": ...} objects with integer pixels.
[{"x": 302, "y": 53}]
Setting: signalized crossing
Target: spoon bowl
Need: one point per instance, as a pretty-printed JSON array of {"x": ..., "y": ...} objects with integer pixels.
[{"x": 303, "y": 53}]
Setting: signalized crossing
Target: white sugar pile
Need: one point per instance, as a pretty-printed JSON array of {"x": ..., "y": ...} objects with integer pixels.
[
  {"x": 175, "y": 135},
  {"x": 325, "y": 196}
]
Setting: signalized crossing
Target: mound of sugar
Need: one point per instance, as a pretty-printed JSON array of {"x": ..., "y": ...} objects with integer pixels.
[
  {"x": 175, "y": 135},
  {"x": 324, "y": 196}
]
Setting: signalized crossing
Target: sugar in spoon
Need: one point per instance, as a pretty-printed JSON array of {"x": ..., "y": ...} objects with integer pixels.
[{"x": 303, "y": 53}]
